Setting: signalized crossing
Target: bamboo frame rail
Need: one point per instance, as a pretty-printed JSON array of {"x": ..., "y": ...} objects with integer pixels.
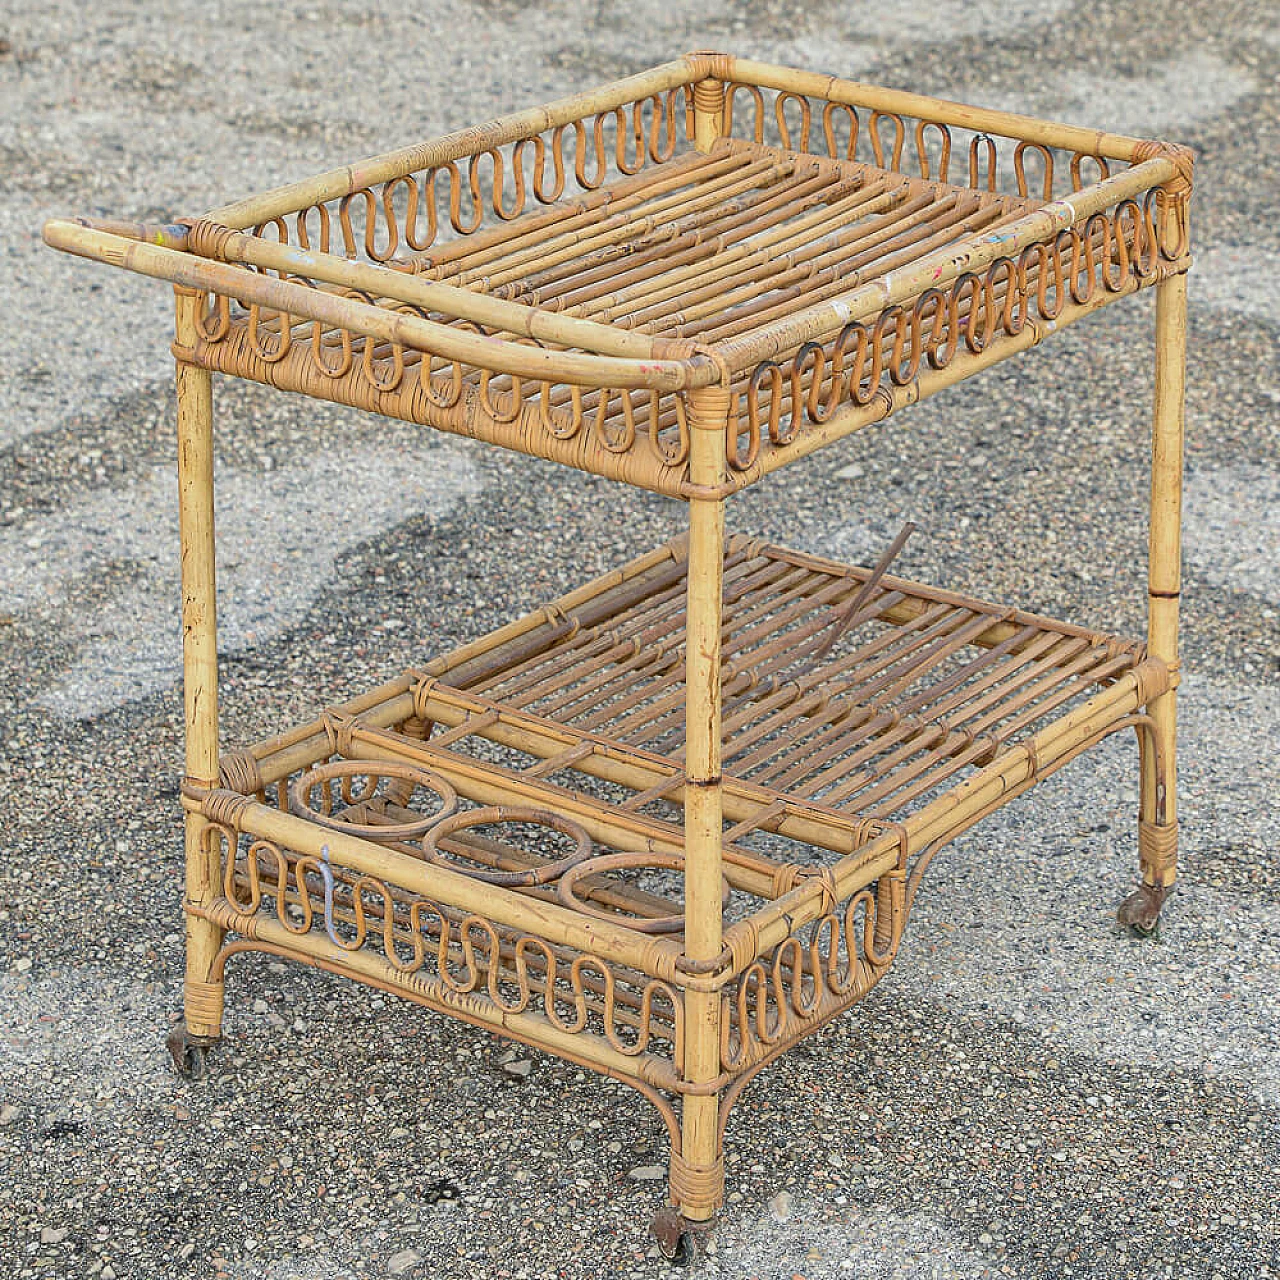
[{"x": 674, "y": 821}]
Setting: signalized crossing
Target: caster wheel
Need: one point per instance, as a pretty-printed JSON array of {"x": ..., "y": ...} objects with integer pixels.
[
  {"x": 190, "y": 1053},
  {"x": 678, "y": 1241},
  {"x": 1140, "y": 911}
]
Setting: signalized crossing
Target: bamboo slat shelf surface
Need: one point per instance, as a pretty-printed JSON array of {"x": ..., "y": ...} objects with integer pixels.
[{"x": 674, "y": 821}]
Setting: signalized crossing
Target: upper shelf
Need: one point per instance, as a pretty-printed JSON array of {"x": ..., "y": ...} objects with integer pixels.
[{"x": 560, "y": 281}]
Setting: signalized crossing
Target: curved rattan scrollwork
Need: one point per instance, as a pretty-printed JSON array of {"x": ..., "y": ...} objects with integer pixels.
[
  {"x": 906, "y": 144},
  {"x": 407, "y": 213},
  {"x": 343, "y": 785},
  {"x": 806, "y": 978},
  {"x": 497, "y": 815},
  {"x": 1109, "y": 253},
  {"x": 568, "y": 892},
  {"x": 463, "y": 953}
]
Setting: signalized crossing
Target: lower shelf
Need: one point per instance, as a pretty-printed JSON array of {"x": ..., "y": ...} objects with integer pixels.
[{"x": 498, "y": 834}]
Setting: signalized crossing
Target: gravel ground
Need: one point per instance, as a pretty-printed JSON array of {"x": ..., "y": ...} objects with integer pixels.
[{"x": 1029, "y": 1093}]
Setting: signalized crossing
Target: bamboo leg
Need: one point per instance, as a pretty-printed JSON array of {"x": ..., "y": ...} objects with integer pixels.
[
  {"x": 202, "y": 995},
  {"x": 697, "y": 1169},
  {"x": 1158, "y": 814}
]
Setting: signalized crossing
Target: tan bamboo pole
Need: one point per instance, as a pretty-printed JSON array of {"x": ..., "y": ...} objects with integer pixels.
[
  {"x": 1006, "y": 124},
  {"x": 202, "y": 997},
  {"x": 1158, "y": 815},
  {"x": 697, "y": 1170},
  {"x": 299, "y": 301}
]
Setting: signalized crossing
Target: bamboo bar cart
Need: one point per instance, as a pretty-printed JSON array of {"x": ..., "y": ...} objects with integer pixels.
[{"x": 674, "y": 821}]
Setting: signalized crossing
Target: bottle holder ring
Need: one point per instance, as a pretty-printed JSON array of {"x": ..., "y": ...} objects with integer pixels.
[
  {"x": 628, "y": 862},
  {"x": 497, "y": 815},
  {"x": 358, "y": 782}
]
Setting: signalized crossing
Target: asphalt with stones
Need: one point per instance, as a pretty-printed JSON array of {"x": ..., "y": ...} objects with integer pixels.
[{"x": 1028, "y": 1093}]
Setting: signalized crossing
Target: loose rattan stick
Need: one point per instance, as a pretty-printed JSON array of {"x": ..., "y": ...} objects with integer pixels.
[{"x": 891, "y": 553}]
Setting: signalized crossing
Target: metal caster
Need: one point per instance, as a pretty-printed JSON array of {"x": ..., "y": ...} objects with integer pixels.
[
  {"x": 679, "y": 1239},
  {"x": 190, "y": 1052},
  {"x": 1140, "y": 911}
]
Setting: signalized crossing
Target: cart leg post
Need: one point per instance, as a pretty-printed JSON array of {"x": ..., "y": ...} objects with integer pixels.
[
  {"x": 697, "y": 1167},
  {"x": 202, "y": 988},
  {"x": 708, "y": 112},
  {"x": 1158, "y": 812}
]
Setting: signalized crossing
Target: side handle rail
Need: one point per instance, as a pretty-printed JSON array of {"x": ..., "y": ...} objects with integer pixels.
[{"x": 160, "y": 252}]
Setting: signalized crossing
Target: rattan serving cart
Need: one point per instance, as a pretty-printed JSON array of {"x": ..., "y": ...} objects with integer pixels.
[{"x": 674, "y": 821}]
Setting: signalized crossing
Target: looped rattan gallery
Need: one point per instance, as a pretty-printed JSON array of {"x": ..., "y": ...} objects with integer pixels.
[{"x": 674, "y": 821}]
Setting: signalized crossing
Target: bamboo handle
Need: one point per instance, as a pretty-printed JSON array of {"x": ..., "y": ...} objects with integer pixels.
[
  {"x": 217, "y": 242},
  {"x": 163, "y": 263}
]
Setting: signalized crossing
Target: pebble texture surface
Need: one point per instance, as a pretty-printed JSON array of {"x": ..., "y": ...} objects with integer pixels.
[{"x": 1028, "y": 1094}]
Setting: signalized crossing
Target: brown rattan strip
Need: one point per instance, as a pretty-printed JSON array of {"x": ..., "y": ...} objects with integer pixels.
[
  {"x": 709, "y": 251},
  {"x": 923, "y": 686}
]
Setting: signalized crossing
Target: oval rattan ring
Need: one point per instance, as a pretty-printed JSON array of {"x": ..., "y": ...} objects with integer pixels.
[
  {"x": 346, "y": 772},
  {"x": 494, "y": 815},
  {"x": 628, "y": 861}
]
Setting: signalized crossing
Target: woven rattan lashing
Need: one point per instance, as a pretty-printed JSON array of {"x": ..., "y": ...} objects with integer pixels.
[{"x": 675, "y": 820}]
